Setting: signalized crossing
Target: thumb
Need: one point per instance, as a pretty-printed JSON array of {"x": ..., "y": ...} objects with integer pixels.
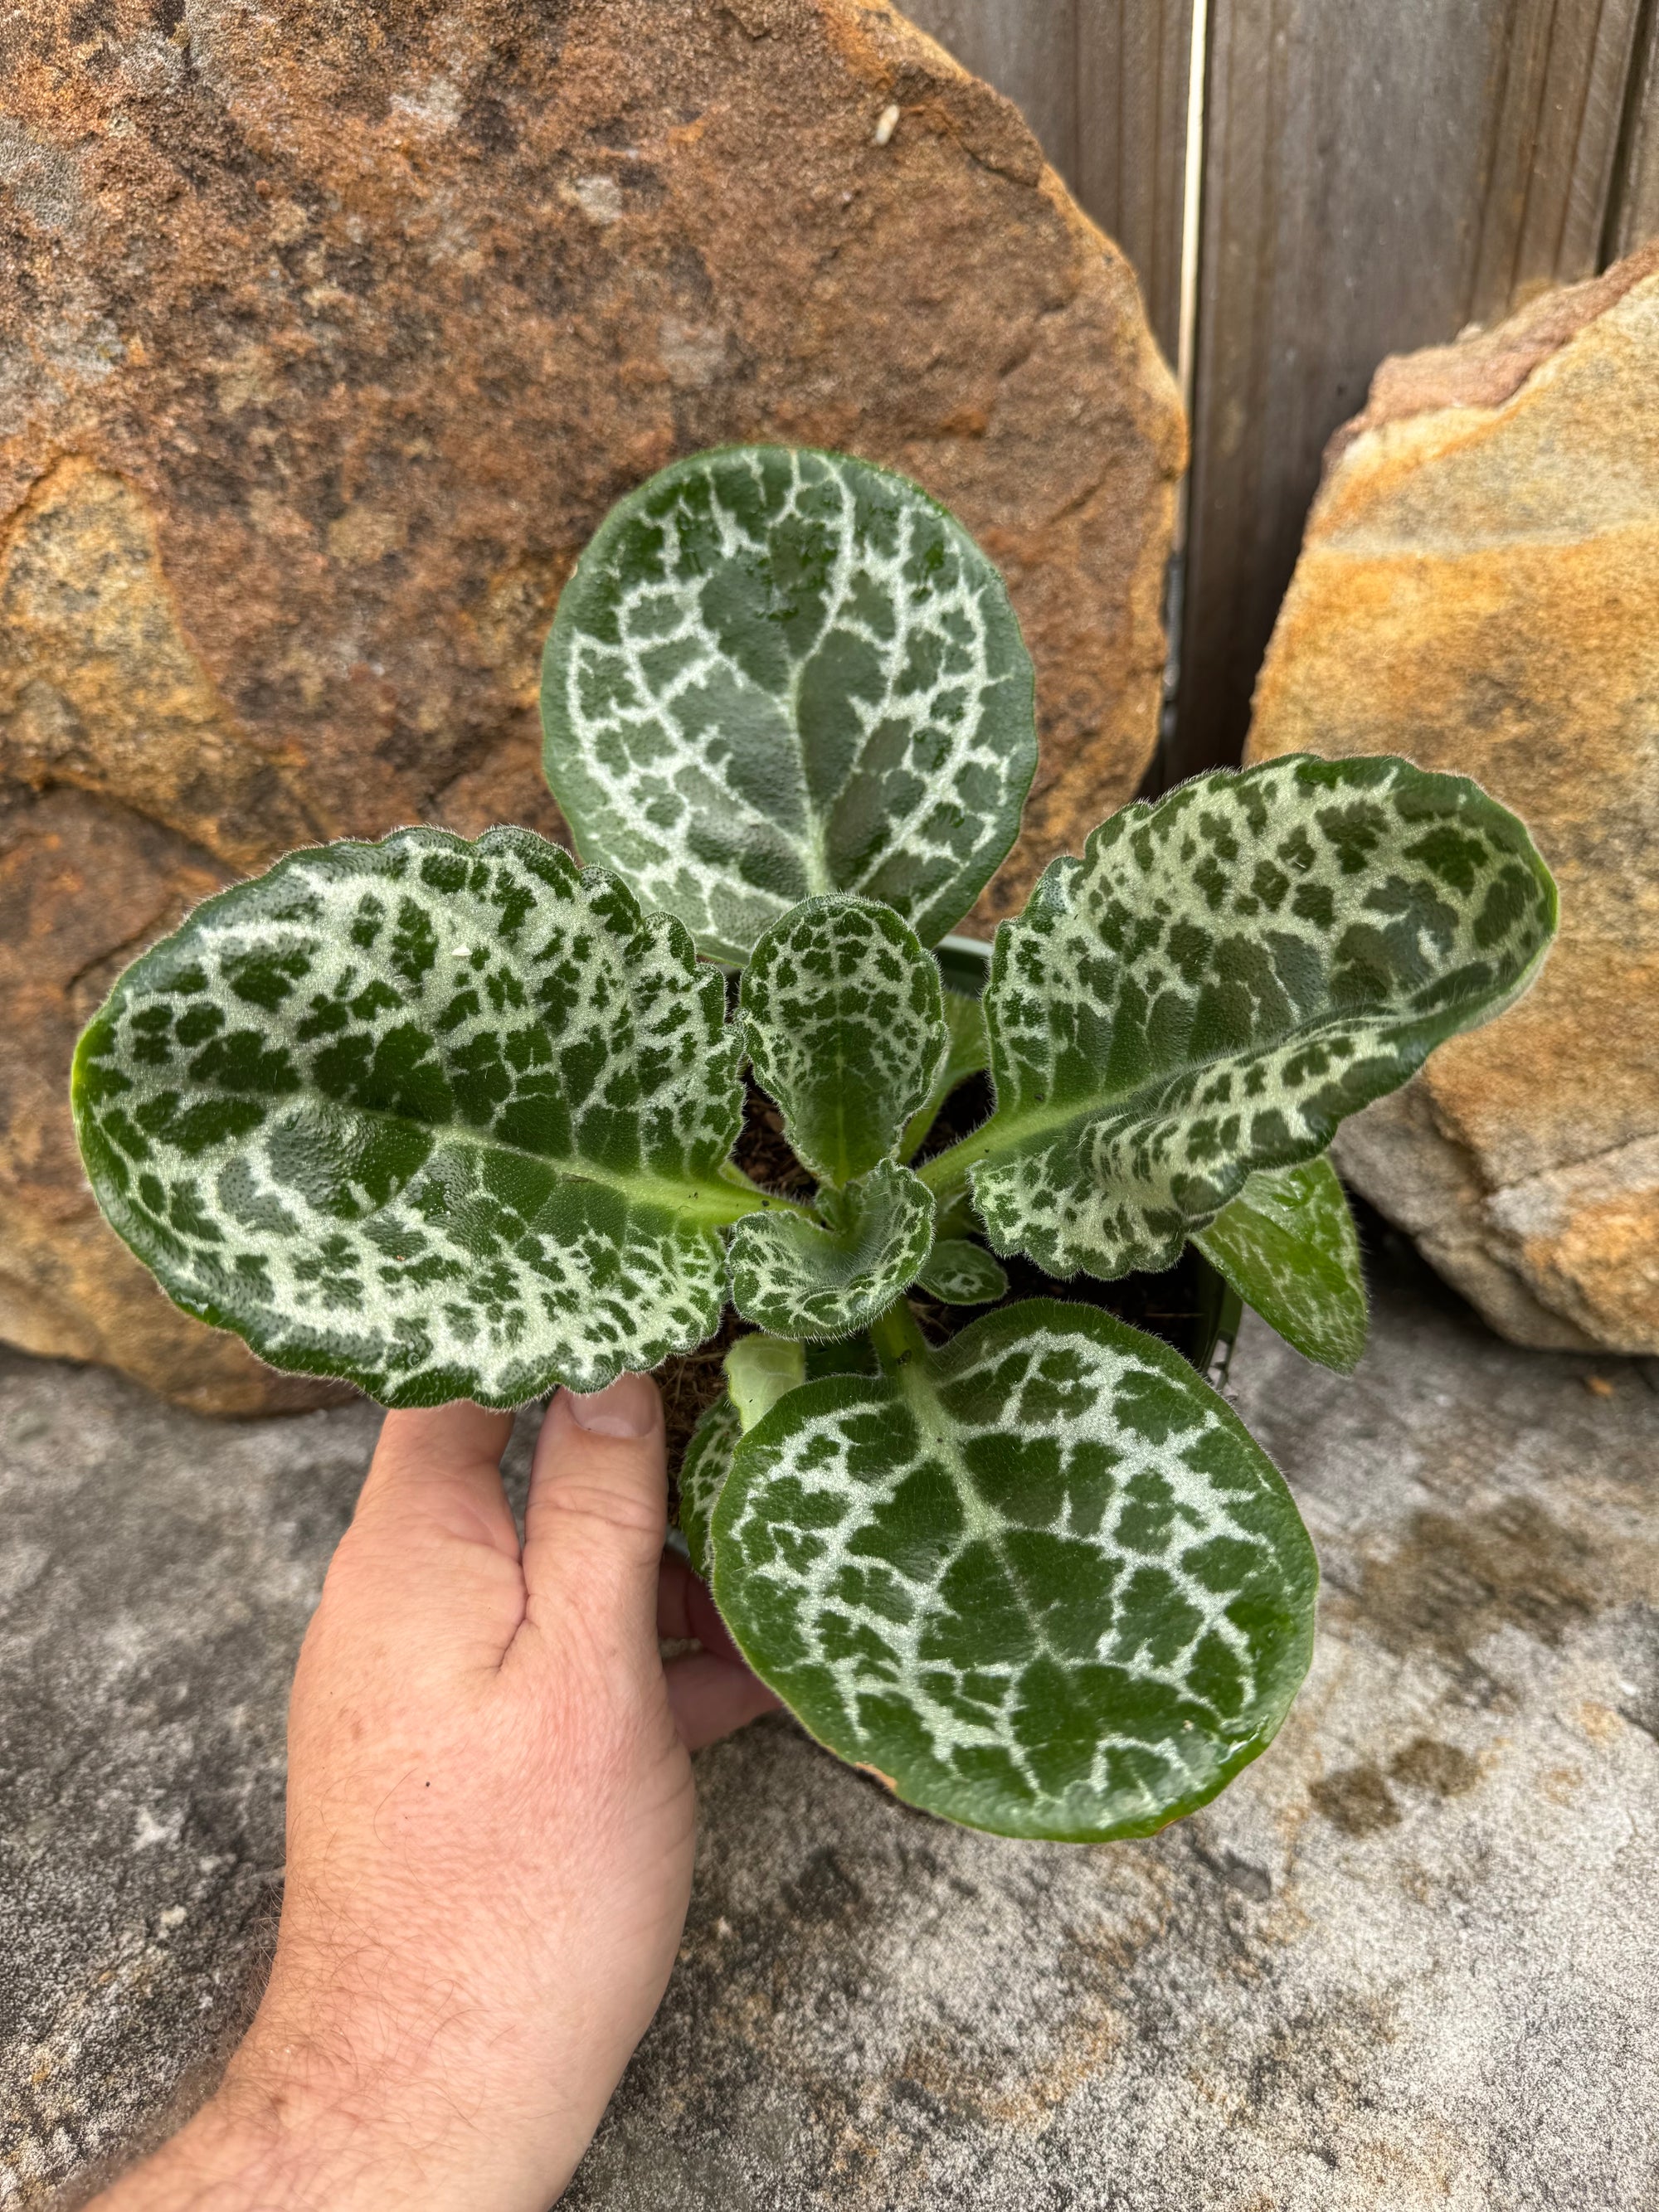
[{"x": 597, "y": 1511}]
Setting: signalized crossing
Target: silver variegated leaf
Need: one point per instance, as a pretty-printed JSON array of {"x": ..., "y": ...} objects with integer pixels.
[
  {"x": 445, "y": 1119},
  {"x": 704, "y": 1470},
  {"x": 1041, "y": 1581},
  {"x": 778, "y": 672},
  {"x": 967, "y": 1052},
  {"x": 759, "y": 1371},
  {"x": 1224, "y": 975},
  {"x": 1288, "y": 1245},
  {"x": 795, "y": 1278},
  {"x": 843, "y": 1015},
  {"x": 960, "y": 1272}
]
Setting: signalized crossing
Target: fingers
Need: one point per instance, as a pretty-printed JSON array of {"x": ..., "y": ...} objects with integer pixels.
[
  {"x": 685, "y": 1609},
  {"x": 710, "y": 1692},
  {"x": 597, "y": 1511},
  {"x": 710, "y": 1697},
  {"x": 437, "y": 1473},
  {"x": 427, "y": 1574}
]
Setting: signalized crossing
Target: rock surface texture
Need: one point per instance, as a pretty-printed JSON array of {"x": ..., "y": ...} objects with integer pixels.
[
  {"x": 325, "y": 344},
  {"x": 1408, "y": 1963},
  {"x": 1478, "y": 589}
]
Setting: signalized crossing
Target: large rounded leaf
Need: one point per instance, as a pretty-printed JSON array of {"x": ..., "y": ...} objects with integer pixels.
[
  {"x": 1224, "y": 975},
  {"x": 1043, "y": 1582},
  {"x": 778, "y": 672},
  {"x": 444, "y": 1119}
]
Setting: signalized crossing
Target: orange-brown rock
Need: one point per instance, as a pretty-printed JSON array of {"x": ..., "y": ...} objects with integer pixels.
[
  {"x": 1478, "y": 589},
  {"x": 83, "y": 883},
  {"x": 326, "y": 340}
]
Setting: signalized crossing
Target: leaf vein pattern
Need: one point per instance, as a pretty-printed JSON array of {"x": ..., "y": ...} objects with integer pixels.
[
  {"x": 1225, "y": 974},
  {"x": 435, "y": 1116},
  {"x": 1058, "y": 1591},
  {"x": 779, "y": 673}
]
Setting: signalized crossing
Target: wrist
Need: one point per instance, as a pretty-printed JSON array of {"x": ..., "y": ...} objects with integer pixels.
[
  {"x": 255, "y": 2147},
  {"x": 289, "y": 2129},
  {"x": 289, "y": 2120}
]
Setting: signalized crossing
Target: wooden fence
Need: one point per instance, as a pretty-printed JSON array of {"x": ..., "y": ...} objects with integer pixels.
[{"x": 1371, "y": 176}]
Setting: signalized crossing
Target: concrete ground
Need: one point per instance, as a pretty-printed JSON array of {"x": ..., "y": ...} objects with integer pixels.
[{"x": 1409, "y": 1961}]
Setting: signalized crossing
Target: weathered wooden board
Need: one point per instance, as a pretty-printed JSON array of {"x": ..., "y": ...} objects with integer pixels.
[
  {"x": 1103, "y": 85},
  {"x": 1131, "y": 148},
  {"x": 1634, "y": 215},
  {"x": 1375, "y": 178}
]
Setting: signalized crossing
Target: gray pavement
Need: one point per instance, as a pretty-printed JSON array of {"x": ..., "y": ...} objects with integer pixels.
[{"x": 1411, "y": 1960}]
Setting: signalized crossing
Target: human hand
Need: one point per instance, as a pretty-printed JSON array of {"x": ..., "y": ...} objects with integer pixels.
[{"x": 490, "y": 1824}]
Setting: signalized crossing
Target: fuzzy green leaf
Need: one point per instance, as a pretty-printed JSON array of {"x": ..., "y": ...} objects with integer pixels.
[
  {"x": 960, "y": 1272},
  {"x": 969, "y": 1052},
  {"x": 796, "y": 1279},
  {"x": 1224, "y": 975},
  {"x": 1288, "y": 1245},
  {"x": 760, "y": 1370},
  {"x": 1043, "y": 1582},
  {"x": 444, "y": 1119},
  {"x": 704, "y": 1470},
  {"x": 778, "y": 672},
  {"x": 843, "y": 1014}
]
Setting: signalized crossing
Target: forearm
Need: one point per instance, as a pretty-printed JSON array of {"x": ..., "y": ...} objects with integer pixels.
[
  {"x": 278, "y": 2142},
  {"x": 252, "y": 2152}
]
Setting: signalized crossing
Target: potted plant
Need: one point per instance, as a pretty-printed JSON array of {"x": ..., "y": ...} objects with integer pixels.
[{"x": 456, "y": 1119}]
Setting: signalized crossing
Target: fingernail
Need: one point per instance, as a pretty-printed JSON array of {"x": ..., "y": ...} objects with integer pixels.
[{"x": 626, "y": 1407}]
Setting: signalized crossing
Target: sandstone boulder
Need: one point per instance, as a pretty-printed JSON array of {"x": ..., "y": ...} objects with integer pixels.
[
  {"x": 1478, "y": 589},
  {"x": 324, "y": 343}
]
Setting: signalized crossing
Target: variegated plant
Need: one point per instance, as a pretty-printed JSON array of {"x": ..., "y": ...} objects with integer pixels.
[{"x": 456, "y": 1118}]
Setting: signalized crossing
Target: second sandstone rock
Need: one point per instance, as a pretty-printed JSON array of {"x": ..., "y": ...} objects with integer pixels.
[{"x": 1479, "y": 589}]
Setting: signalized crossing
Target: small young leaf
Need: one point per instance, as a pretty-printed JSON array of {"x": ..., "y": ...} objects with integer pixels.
[
  {"x": 777, "y": 672},
  {"x": 445, "y": 1119},
  {"x": 967, "y": 1052},
  {"x": 1224, "y": 975},
  {"x": 704, "y": 1470},
  {"x": 842, "y": 1010},
  {"x": 963, "y": 1274},
  {"x": 1288, "y": 1245},
  {"x": 760, "y": 1370},
  {"x": 796, "y": 1280},
  {"x": 1043, "y": 1582}
]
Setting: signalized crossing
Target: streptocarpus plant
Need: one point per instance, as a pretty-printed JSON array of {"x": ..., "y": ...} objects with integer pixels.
[{"x": 456, "y": 1119}]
